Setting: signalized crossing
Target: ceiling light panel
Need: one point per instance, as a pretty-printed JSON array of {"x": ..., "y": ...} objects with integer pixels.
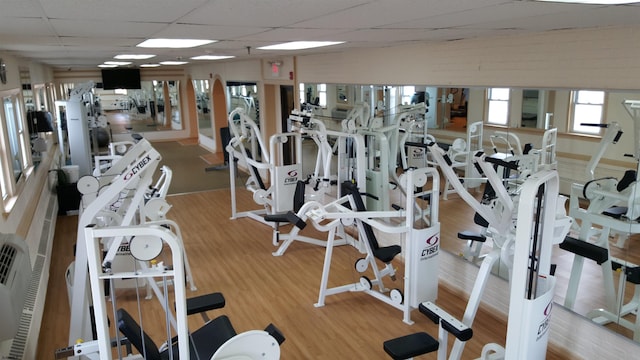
[
  {"x": 133, "y": 56},
  {"x": 212, "y": 57},
  {"x": 300, "y": 45},
  {"x": 174, "y": 43}
]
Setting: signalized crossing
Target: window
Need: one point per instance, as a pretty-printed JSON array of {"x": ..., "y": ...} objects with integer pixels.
[
  {"x": 498, "y": 106},
  {"x": 15, "y": 146},
  {"x": 407, "y": 94},
  {"x": 587, "y": 108},
  {"x": 315, "y": 94}
]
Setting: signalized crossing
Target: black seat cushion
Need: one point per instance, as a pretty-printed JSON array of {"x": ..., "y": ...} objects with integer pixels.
[
  {"x": 138, "y": 338},
  {"x": 411, "y": 345}
]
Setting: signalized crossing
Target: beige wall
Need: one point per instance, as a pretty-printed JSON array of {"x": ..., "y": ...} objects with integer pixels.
[{"x": 598, "y": 58}]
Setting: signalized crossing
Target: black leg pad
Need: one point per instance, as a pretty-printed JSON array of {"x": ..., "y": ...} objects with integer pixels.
[
  {"x": 206, "y": 302},
  {"x": 411, "y": 345}
]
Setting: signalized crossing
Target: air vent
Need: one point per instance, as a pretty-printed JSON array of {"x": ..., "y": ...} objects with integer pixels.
[{"x": 7, "y": 256}]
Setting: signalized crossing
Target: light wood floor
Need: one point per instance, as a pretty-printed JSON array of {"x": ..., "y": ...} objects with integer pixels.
[{"x": 234, "y": 257}]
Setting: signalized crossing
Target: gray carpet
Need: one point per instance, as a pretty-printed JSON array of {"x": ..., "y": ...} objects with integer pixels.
[{"x": 188, "y": 168}]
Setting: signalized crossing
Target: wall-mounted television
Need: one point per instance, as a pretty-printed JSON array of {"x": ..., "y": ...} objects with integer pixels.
[{"x": 120, "y": 79}]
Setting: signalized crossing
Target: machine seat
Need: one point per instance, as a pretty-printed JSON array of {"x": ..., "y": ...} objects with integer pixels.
[
  {"x": 205, "y": 341},
  {"x": 411, "y": 345}
]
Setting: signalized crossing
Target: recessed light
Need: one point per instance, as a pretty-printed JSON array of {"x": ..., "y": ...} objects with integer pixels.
[
  {"x": 118, "y": 63},
  {"x": 212, "y": 57},
  {"x": 173, "y": 62},
  {"x": 174, "y": 43},
  {"x": 107, "y": 66},
  {"x": 149, "y": 65},
  {"x": 133, "y": 56},
  {"x": 595, "y": 2},
  {"x": 300, "y": 45}
]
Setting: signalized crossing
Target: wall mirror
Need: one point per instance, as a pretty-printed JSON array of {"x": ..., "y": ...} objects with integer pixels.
[
  {"x": 527, "y": 113},
  {"x": 153, "y": 107},
  {"x": 244, "y": 94},
  {"x": 203, "y": 108}
]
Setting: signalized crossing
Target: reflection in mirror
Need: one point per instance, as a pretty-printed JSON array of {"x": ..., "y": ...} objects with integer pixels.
[
  {"x": 544, "y": 121},
  {"x": 244, "y": 95},
  {"x": 141, "y": 110},
  {"x": 203, "y": 108}
]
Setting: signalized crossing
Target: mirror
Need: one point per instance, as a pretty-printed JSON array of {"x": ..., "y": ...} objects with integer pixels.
[
  {"x": 142, "y": 110},
  {"x": 245, "y": 95},
  {"x": 203, "y": 108},
  {"x": 527, "y": 113}
]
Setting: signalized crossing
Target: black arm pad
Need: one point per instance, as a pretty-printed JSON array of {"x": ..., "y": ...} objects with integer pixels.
[
  {"x": 446, "y": 321},
  {"x": 206, "y": 302},
  {"x": 585, "y": 249},
  {"x": 506, "y": 164},
  {"x": 288, "y": 217}
]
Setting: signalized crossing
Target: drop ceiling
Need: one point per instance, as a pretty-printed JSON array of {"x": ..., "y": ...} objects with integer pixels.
[{"x": 85, "y": 33}]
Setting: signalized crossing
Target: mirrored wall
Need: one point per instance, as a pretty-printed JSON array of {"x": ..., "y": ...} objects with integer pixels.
[{"x": 585, "y": 120}]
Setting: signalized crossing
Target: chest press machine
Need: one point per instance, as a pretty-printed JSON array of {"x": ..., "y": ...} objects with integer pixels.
[{"x": 421, "y": 243}]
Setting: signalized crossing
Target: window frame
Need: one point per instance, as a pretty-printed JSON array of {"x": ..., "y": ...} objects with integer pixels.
[
  {"x": 572, "y": 127},
  {"x": 490, "y": 99},
  {"x": 11, "y": 185}
]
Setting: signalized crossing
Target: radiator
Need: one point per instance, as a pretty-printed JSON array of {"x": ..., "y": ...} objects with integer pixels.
[{"x": 15, "y": 274}]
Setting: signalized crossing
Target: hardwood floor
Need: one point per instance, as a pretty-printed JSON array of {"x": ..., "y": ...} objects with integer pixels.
[{"x": 234, "y": 257}]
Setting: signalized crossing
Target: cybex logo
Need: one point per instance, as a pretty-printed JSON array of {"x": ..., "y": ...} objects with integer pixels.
[
  {"x": 292, "y": 177},
  {"x": 139, "y": 166}
]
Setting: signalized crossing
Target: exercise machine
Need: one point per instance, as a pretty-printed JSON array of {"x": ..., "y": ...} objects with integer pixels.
[
  {"x": 531, "y": 290},
  {"x": 421, "y": 243},
  {"x": 613, "y": 209},
  {"x": 217, "y": 339},
  {"x": 461, "y": 154},
  {"x": 115, "y": 198},
  {"x": 248, "y": 150}
]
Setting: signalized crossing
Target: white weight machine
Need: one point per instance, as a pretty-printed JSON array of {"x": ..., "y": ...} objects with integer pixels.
[
  {"x": 614, "y": 207},
  {"x": 247, "y": 147},
  {"x": 461, "y": 154},
  {"x": 77, "y": 115},
  {"x": 421, "y": 243},
  {"x": 278, "y": 199},
  {"x": 216, "y": 340},
  {"x": 531, "y": 287},
  {"x": 116, "y": 197}
]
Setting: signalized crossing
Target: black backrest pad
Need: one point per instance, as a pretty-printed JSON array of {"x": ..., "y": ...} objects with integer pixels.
[
  {"x": 138, "y": 338},
  {"x": 352, "y": 189}
]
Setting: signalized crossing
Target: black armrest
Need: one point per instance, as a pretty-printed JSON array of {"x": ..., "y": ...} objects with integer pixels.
[
  {"x": 276, "y": 333},
  {"x": 448, "y": 322},
  {"x": 585, "y": 249},
  {"x": 206, "y": 302},
  {"x": 288, "y": 217}
]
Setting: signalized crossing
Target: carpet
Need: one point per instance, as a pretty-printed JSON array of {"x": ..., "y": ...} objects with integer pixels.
[{"x": 189, "y": 164}]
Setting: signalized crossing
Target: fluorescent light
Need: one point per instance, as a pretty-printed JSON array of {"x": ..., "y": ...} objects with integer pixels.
[
  {"x": 118, "y": 63},
  {"x": 299, "y": 45},
  {"x": 149, "y": 65},
  {"x": 107, "y": 66},
  {"x": 133, "y": 56},
  {"x": 212, "y": 57},
  {"x": 173, "y": 62},
  {"x": 595, "y": 2},
  {"x": 174, "y": 43}
]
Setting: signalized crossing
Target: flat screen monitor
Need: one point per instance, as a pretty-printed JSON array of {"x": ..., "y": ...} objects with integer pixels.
[{"x": 120, "y": 79}]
